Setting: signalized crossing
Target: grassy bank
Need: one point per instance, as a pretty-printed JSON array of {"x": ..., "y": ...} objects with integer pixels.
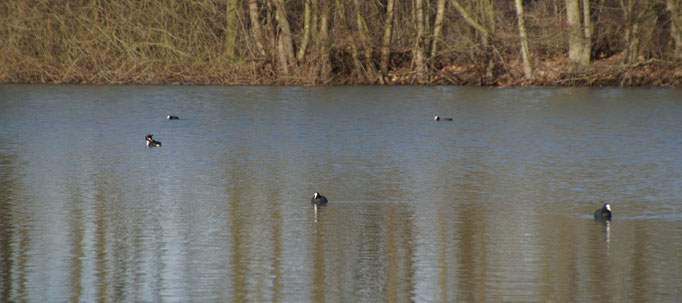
[{"x": 313, "y": 42}]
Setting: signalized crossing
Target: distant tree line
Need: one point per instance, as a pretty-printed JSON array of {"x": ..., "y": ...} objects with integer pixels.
[{"x": 480, "y": 42}]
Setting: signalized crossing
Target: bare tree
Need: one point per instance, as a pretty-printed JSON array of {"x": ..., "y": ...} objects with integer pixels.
[
  {"x": 676, "y": 26},
  {"x": 527, "y": 69},
  {"x": 365, "y": 42},
  {"x": 231, "y": 19},
  {"x": 386, "y": 38},
  {"x": 290, "y": 42},
  {"x": 418, "y": 48},
  {"x": 485, "y": 30},
  {"x": 323, "y": 41},
  {"x": 285, "y": 45},
  {"x": 341, "y": 11},
  {"x": 633, "y": 13},
  {"x": 580, "y": 32},
  {"x": 437, "y": 30},
  {"x": 306, "y": 32},
  {"x": 256, "y": 32},
  {"x": 587, "y": 34}
]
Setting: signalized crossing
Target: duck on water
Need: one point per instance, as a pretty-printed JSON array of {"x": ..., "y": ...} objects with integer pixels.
[
  {"x": 603, "y": 213},
  {"x": 318, "y": 199},
  {"x": 438, "y": 118},
  {"x": 151, "y": 142}
]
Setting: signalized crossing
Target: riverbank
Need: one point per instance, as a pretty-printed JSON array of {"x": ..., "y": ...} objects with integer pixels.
[
  {"x": 557, "y": 72},
  {"x": 605, "y": 72},
  {"x": 457, "y": 42}
]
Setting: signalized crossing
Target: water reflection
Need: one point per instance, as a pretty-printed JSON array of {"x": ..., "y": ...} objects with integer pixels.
[{"x": 495, "y": 206}]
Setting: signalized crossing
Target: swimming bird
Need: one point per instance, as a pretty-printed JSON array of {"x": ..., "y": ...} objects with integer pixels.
[
  {"x": 151, "y": 142},
  {"x": 438, "y": 118},
  {"x": 318, "y": 199},
  {"x": 603, "y": 213},
  {"x": 171, "y": 117}
]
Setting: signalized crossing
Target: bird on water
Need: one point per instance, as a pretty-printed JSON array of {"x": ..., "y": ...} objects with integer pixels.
[
  {"x": 318, "y": 199},
  {"x": 603, "y": 213},
  {"x": 151, "y": 142},
  {"x": 438, "y": 118}
]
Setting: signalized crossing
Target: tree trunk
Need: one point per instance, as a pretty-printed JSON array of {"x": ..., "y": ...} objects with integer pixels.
[
  {"x": 418, "y": 51},
  {"x": 579, "y": 32},
  {"x": 575, "y": 41},
  {"x": 323, "y": 42},
  {"x": 386, "y": 39},
  {"x": 315, "y": 20},
  {"x": 467, "y": 17},
  {"x": 527, "y": 69},
  {"x": 485, "y": 37},
  {"x": 676, "y": 26},
  {"x": 306, "y": 32},
  {"x": 231, "y": 18},
  {"x": 364, "y": 42},
  {"x": 270, "y": 31},
  {"x": 489, "y": 15},
  {"x": 285, "y": 45},
  {"x": 633, "y": 15},
  {"x": 358, "y": 70},
  {"x": 256, "y": 33},
  {"x": 437, "y": 29},
  {"x": 587, "y": 38}
]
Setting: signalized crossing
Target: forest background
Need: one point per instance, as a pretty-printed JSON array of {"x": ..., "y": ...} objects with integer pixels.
[{"x": 322, "y": 42}]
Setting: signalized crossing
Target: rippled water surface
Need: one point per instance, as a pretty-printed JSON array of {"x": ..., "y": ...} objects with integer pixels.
[{"x": 493, "y": 206}]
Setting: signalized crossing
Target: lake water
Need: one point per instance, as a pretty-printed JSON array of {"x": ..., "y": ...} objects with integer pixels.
[{"x": 494, "y": 206}]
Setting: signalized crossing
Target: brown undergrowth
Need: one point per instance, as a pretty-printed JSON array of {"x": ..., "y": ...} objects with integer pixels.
[
  {"x": 553, "y": 72},
  {"x": 208, "y": 42}
]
